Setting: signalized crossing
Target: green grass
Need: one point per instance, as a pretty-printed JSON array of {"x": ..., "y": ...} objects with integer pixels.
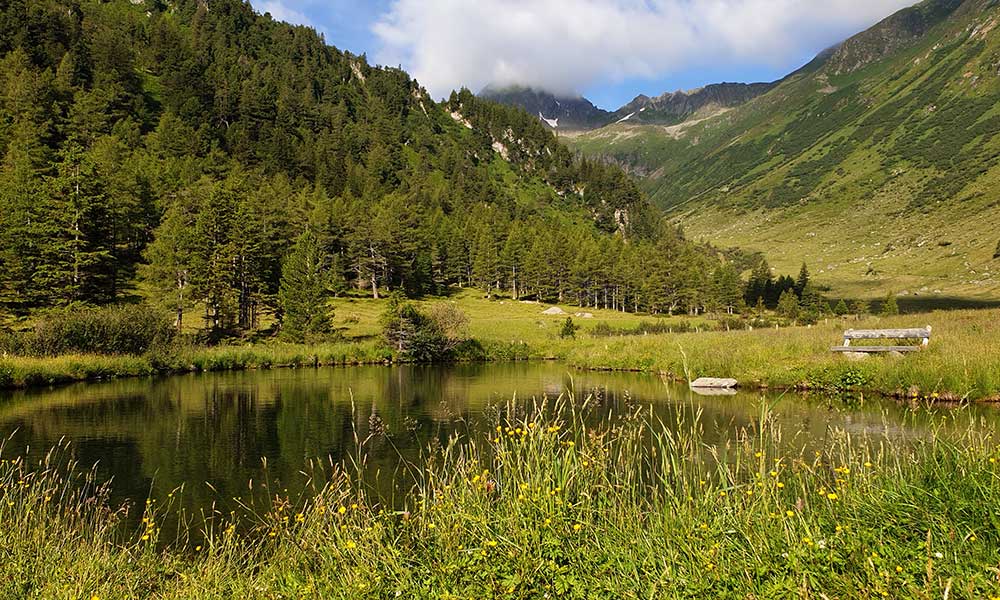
[
  {"x": 882, "y": 179},
  {"x": 550, "y": 507},
  {"x": 961, "y": 363}
]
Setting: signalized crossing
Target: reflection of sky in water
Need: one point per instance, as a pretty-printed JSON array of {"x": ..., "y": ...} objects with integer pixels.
[{"x": 155, "y": 434}]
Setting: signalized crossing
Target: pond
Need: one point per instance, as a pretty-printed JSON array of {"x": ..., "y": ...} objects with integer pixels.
[{"x": 224, "y": 436}]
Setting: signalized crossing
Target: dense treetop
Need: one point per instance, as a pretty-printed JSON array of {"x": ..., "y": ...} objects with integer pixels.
[{"x": 192, "y": 151}]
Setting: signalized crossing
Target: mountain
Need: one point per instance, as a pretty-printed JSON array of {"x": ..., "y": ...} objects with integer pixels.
[
  {"x": 208, "y": 159},
  {"x": 674, "y": 107},
  {"x": 575, "y": 113},
  {"x": 877, "y": 163},
  {"x": 563, "y": 113}
]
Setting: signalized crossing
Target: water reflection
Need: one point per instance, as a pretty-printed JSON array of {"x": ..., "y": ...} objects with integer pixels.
[{"x": 215, "y": 432}]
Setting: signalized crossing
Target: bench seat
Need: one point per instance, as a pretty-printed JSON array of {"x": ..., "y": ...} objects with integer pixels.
[
  {"x": 923, "y": 334},
  {"x": 872, "y": 349}
]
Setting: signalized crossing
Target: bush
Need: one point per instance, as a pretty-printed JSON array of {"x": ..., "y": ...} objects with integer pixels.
[
  {"x": 890, "y": 307},
  {"x": 131, "y": 329},
  {"x": 568, "y": 329},
  {"x": 423, "y": 337}
]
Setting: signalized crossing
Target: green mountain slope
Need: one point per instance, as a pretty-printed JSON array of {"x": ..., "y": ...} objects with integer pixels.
[
  {"x": 878, "y": 163},
  {"x": 205, "y": 157}
]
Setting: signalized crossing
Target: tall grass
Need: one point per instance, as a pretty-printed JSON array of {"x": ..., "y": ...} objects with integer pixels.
[
  {"x": 962, "y": 361},
  {"x": 546, "y": 506}
]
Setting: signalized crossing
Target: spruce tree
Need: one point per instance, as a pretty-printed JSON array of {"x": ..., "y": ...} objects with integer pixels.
[
  {"x": 486, "y": 265},
  {"x": 841, "y": 308},
  {"x": 802, "y": 281},
  {"x": 760, "y": 283},
  {"x": 568, "y": 329},
  {"x": 304, "y": 290}
]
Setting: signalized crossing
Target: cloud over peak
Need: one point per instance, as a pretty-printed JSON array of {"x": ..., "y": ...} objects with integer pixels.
[{"x": 568, "y": 45}]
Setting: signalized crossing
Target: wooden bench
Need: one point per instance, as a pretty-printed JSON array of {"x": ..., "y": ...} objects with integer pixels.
[{"x": 922, "y": 334}]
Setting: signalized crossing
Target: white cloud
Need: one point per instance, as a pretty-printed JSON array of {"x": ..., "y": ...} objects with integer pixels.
[
  {"x": 280, "y": 11},
  {"x": 567, "y": 45}
]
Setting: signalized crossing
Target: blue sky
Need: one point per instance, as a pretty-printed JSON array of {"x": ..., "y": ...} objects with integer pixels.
[{"x": 608, "y": 50}]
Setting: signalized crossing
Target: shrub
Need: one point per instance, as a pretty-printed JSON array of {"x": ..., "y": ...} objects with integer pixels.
[
  {"x": 788, "y": 305},
  {"x": 890, "y": 307},
  {"x": 423, "y": 337},
  {"x": 130, "y": 329},
  {"x": 568, "y": 328}
]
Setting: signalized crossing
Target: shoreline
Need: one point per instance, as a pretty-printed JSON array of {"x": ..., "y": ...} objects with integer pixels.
[{"x": 32, "y": 373}]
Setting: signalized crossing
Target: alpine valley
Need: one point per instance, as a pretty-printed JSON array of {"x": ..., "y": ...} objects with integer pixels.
[{"x": 878, "y": 163}]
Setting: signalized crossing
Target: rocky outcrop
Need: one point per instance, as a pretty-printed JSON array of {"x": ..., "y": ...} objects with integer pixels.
[{"x": 891, "y": 35}]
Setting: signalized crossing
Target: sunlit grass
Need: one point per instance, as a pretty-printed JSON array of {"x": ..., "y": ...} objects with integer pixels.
[
  {"x": 961, "y": 362},
  {"x": 544, "y": 505}
]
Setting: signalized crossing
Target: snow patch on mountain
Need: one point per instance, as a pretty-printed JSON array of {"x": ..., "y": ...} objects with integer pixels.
[
  {"x": 553, "y": 123},
  {"x": 626, "y": 117}
]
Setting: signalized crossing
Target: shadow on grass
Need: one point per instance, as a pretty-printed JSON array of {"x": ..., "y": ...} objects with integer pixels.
[{"x": 918, "y": 304}]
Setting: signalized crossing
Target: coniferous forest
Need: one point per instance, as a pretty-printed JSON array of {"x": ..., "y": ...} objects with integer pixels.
[{"x": 223, "y": 166}]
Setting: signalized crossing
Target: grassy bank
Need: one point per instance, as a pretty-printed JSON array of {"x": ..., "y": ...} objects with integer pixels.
[
  {"x": 961, "y": 363},
  {"x": 550, "y": 508},
  {"x": 18, "y": 371}
]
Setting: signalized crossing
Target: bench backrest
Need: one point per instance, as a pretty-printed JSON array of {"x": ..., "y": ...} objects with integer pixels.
[{"x": 921, "y": 333}]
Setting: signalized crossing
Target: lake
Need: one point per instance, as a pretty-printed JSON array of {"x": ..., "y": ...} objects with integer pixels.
[{"x": 223, "y": 435}]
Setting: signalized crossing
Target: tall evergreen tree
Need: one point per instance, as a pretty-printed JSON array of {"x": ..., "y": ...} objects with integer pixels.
[
  {"x": 802, "y": 281},
  {"x": 305, "y": 289}
]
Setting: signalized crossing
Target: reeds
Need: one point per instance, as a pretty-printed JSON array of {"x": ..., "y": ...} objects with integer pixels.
[{"x": 545, "y": 505}]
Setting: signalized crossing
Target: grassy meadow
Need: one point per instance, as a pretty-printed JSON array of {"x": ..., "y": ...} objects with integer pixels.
[
  {"x": 961, "y": 363},
  {"x": 544, "y": 506}
]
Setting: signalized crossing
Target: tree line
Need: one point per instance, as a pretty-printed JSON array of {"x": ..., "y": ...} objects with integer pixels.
[{"x": 205, "y": 157}]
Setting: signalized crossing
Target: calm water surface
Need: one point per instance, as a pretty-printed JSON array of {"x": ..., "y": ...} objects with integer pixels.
[{"x": 215, "y": 433}]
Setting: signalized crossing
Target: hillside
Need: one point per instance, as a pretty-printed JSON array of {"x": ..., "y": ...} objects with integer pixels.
[
  {"x": 672, "y": 108},
  {"x": 559, "y": 112},
  {"x": 212, "y": 161},
  {"x": 877, "y": 163}
]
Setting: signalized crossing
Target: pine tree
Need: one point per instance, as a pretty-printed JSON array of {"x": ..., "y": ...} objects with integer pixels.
[
  {"x": 169, "y": 257},
  {"x": 726, "y": 288},
  {"x": 512, "y": 258},
  {"x": 760, "y": 284},
  {"x": 486, "y": 264},
  {"x": 802, "y": 281},
  {"x": 568, "y": 329},
  {"x": 305, "y": 278},
  {"x": 841, "y": 308}
]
